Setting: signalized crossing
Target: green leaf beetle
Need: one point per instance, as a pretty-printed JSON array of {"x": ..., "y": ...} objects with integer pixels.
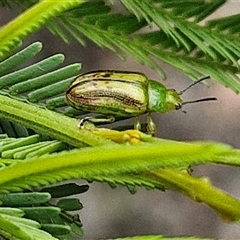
[{"x": 124, "y": 94}]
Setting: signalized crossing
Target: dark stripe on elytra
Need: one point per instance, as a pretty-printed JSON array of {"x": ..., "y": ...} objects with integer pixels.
[
  {"x": 101, "y": 80},
  {"x": 122, "y": 98}
]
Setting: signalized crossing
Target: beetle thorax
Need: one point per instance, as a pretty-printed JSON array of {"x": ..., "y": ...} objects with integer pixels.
[
  {"x": 157, "y": 97},
  {"x": 161, "y": 99}
]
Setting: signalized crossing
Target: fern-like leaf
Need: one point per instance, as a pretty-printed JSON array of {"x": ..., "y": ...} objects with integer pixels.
[
  {"x": 196, "y": 50},
  {"x": 38, "y": 211},
  {"x": 191, "y": 40},
  {"x": 34, "y": 18}
]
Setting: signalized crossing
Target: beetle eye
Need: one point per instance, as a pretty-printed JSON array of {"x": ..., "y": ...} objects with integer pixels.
[{"x": 178, "y": 106}]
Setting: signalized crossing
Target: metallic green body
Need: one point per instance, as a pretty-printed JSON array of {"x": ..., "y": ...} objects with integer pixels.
[{"x": 120, "y": 94}]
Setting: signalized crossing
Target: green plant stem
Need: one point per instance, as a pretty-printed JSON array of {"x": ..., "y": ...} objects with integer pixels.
[
  {"x": 102, "y": 161},
  {"x": 97, "y": 162},
  {"x": 200, "y": 190},
  {"x": 48, "y": 122},
  {"x": 30, "y": 21},
  {"x": 158, "y": 237}
]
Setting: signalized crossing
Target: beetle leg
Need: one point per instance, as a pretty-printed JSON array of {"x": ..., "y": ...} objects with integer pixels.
[
  {"x": 83, "y": 121},
  {"x": 110, "y": 119},
  {"x": 151, "y": 126},
  {"x": 137, "y": 124}
]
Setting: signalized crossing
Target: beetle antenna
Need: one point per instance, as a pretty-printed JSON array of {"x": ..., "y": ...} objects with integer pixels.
[
  {"x": 200, "y": 100},
  {"x": 194, "y": 83}
]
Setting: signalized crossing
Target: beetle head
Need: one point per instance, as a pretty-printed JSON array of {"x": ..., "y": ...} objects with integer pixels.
[
  {"x": 164, "y": 100},
  {"x": 174, "y": 100}
]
